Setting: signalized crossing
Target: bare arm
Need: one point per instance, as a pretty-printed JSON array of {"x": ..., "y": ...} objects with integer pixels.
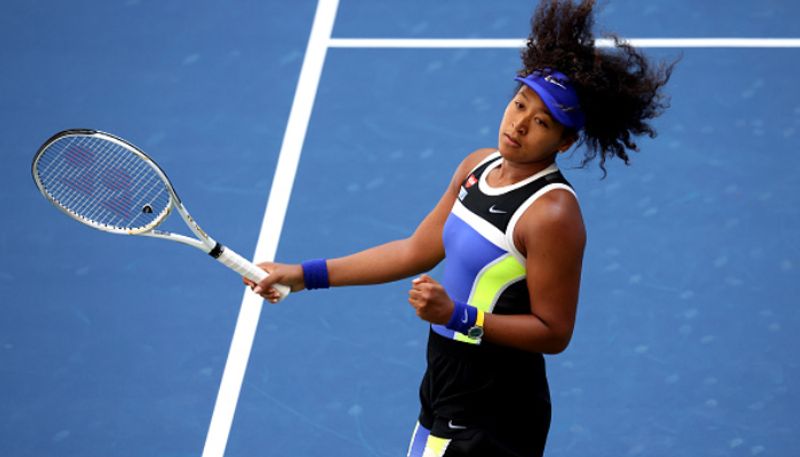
[
  {"x": 552, "y": 237},
  {"x": 391, "y": 261}
]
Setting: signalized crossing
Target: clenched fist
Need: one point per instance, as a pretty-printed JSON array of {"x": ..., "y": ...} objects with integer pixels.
[{"x": 430, "y": 300}]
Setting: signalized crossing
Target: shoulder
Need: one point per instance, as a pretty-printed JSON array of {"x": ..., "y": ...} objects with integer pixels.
[
  {"x": 558, "y": 210},
  {"x": 471, "y": 161},
  {"x": 555, "y": 216},
  {"x": 468, "y": 164}
]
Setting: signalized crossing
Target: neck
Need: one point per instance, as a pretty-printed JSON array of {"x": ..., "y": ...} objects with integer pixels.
[{"x": 508, "y": 173}]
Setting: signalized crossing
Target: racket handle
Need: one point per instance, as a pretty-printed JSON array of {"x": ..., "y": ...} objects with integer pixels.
[{"x": 246, "y": 268}]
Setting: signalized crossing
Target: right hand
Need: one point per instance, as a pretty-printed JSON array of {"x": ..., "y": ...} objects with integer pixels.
[{"x": 288, "y": 275}]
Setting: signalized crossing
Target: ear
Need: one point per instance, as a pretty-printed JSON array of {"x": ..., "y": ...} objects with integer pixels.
[{"x": 567, "y": 141}]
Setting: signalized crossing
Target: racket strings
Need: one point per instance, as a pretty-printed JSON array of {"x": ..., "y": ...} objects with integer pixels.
[
  {"x": 115, "y": 203},
  {"x": 103, "y": 182},
  {"x": 77, "y": 179},
  {"x": 117, "y": 191},
  {"x": 83, "y": 180}
]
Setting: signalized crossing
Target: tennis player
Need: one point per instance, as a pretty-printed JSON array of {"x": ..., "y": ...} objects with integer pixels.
[{"x": 510, "y": 230}]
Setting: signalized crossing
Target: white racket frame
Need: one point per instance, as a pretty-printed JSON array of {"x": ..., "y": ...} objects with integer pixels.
[{"x": 203, "y": 241}]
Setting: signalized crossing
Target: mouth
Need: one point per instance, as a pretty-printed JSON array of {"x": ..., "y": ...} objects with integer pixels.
[{"x": 511, "y": 141}]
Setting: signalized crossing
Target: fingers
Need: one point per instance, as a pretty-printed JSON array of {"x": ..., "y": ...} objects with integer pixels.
[
  {"x": 290, "y": 276},
  {"x": 415, "y": 298},
  {"x": 423, "y": 279},
  {"x": 267, "y": 292},
  {"x": 425, "y": 285},
  {"x": 417, "y": 301},
  {"x": 422, "y": 293},
  {"x": 264, "y": 288},
  {"x": 266, "y": 283},
  {"x": 430, "y": 300},
  {"x": 272, "y": 295},
  {"x": 275, "y": 276}
]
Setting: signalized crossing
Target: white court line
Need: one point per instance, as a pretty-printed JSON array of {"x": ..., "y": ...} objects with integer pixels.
[
  {"x": 519, "y": 43},
  {"x": 282, "y": 182},
  {"x": 319, "y": 42}
]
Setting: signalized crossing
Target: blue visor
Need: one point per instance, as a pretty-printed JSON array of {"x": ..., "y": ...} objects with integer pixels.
[{"x": 558, "y": 93}]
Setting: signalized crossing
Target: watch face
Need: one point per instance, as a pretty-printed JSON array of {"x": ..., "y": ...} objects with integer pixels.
[{"x": 475, "y": 332}]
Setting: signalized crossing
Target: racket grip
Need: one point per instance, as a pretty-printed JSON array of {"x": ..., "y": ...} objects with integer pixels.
[{"x": 246, "y": 268}]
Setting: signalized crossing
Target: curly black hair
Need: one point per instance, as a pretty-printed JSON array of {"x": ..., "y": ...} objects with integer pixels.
[{"x": 619, "y": 89}]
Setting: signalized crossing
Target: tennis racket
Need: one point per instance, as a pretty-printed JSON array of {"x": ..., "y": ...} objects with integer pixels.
[{"x": 109, "y": 184}]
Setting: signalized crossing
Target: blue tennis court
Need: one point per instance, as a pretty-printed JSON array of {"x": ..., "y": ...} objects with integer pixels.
[{"x": 686, "y": 339}]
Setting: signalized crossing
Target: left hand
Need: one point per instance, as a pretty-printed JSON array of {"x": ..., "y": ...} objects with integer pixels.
[{"x": 430, "y": 300}]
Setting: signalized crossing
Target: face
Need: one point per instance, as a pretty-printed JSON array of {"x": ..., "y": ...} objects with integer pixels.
[{"x": 528, "y": 134}]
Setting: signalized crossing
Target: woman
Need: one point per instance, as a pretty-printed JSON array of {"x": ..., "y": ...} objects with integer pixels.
[{"x": 511, "y": 231}]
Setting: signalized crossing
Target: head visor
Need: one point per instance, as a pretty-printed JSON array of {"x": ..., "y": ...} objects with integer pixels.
[{"x": 558, "y": 94}]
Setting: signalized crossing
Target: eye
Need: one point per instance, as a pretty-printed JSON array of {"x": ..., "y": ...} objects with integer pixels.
[
  {"x": 540, "y": 121},
  {"x": 519, "y": 104}
]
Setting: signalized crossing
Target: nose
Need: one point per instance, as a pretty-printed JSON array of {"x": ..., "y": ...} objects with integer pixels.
[{"x": 520, "y": 125}]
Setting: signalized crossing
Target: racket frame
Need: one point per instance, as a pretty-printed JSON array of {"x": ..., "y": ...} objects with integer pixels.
[{"x": 203, "y": 241}]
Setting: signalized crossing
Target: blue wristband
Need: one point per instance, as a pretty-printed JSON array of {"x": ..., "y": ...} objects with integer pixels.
[
  {"x": 463, "y": 318},
  {"x": 315, "y": 274}
]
